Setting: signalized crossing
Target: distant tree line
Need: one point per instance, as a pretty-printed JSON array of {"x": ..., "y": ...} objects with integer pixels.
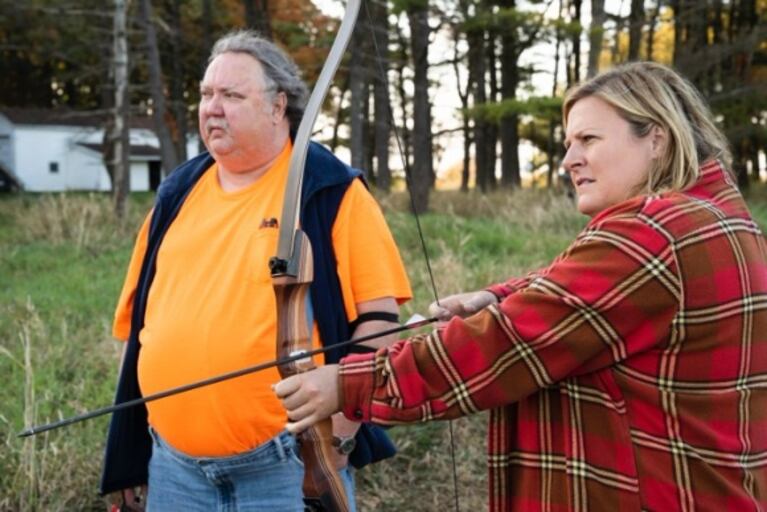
[{"x": 141, "y": 57}]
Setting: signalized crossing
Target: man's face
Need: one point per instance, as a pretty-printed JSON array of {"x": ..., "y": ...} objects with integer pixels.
[{"x": 242, "y": 120}]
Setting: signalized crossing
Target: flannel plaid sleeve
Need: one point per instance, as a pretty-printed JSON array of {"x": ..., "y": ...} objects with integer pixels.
[{"x": 612, "y": 294}]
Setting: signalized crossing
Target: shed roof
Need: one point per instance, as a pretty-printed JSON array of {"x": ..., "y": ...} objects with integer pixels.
[
  {"x": 66, "y": 117},
  {"x": 136, "y": 150}
]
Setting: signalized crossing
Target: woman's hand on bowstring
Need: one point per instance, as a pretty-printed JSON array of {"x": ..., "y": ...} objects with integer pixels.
[
  {"x": 461, "y": 305},
  {"x": 309, "y": 397}
]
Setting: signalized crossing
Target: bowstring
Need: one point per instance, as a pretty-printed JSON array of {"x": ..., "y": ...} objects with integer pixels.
[{"x": 419, "y": 229}]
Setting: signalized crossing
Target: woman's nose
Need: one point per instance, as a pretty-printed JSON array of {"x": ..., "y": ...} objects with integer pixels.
[{"x": 572, "y": 158}]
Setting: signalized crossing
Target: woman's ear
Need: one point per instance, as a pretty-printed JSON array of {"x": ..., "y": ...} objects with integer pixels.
[{"x": 658, "y": 141}]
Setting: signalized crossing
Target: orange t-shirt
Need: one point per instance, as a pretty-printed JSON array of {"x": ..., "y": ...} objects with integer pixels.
[{"x": 211, "y": 307}]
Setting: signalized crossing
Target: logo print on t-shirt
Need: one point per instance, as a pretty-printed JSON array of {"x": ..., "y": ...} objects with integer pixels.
[{"x": 269, "y": 223}]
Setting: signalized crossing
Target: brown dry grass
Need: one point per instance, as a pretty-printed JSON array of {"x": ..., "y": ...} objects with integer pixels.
[{"x": 62, "y": 259}]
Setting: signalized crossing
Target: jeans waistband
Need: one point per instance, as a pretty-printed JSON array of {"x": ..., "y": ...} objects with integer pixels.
[{"x": 280, "y": 447}]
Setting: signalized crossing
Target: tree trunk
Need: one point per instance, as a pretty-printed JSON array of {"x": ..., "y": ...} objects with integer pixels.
[
  {"x": 341, "y": 115},
  {"x": 575, "y": 71},
  {"x": 739, "y": 163},
  {"x": 748, "y": 20},
  {"x": 400, "y": 66},
  {"x": 360, "y": 96},
  {"x": 510, "y": 177},
  {"x": 178, "y": 103},
  {"x": 636, "y": 23},
  {"x": 615, "y": 52},
  {"x": 477, "y": 63},
  {"x": 718, "y": 43},
  {"x": 651, "y": 31},
  {"x": 463, "y": 94},
  {"x": 257, "y": 16},
  {"x": 119, "y": 134},
  {"x": 596, "y": 35},
  {"x": 552, "y": 125},
  {"x": 753, "y": 156},
  {"x": 422, "y": 170},
  {"x": 686, "y": 33},
  {"x": 167, "y": 147},
  {"x": 382, "y": 118},
  {"x": 207, "y": 44},
  {"x": 492, "y": 133}
]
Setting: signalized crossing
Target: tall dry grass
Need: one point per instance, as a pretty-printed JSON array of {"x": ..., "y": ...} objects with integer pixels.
[
  {"x": 82, "y": 220},
  {"x": 62, "y": 259},
  {"x": 58, "y": 274}
]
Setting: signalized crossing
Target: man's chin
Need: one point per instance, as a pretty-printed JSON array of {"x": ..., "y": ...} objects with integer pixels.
[{"x": 218, "y": 149}]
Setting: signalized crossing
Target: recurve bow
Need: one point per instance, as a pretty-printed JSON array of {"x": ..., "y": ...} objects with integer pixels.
[{"x": 292, "y": 272}]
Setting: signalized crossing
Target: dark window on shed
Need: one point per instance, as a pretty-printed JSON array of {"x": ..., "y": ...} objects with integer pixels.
[{"x": 53, "y": 167}]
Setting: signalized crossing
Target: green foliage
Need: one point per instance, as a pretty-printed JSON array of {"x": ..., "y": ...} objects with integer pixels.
[
  {"x": 757, "y": 202},
  {"x": 50, "y": 55},
  {"x": 400, "y": 6},
  {"x": 536, "y": 130},
  {"x": 519, "y": 23},
  {"x": 538, "y": 106},
  {"x": 570, "y": 29}
]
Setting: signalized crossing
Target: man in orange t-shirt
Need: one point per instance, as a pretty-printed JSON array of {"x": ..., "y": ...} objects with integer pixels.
[{"x": 198, "y": 300}]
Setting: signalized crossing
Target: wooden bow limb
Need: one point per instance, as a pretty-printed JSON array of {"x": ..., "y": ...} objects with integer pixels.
[
  {"x": 322, "y": 486},
  {"x": 292, "y": 273}
]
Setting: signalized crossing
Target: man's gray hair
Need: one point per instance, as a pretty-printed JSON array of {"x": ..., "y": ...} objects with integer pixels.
[{"x": 280, "y": 72}]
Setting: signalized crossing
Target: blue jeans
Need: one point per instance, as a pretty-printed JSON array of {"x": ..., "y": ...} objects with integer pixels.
[{"x": 267, "y": 478}]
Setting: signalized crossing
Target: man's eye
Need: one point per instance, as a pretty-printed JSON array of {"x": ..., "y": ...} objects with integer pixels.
[{"x": 206, "y": 94}]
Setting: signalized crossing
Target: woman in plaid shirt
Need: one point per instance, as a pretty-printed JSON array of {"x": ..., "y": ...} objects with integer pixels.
[{"x": 631, "y": 373}]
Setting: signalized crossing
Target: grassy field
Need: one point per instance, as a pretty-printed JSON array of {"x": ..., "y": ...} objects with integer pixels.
[{"x": 62, "y": 259}]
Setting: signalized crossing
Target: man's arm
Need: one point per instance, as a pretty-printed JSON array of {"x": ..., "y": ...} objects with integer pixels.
[
  {"x": 131, "y": 498},
  {"x": 343, "y": 427},
  {"x": 382, "y": 305}
]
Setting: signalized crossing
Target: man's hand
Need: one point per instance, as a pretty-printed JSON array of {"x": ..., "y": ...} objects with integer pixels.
[
  {"x": 461, "y": 304},
  {"x": 130, "y": 500},
  {"x": 309, "y": 397}
]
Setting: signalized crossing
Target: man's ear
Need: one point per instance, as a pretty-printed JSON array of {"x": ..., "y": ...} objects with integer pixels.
[
  {"x": 279, "y": 107},
  {"x": 658, "y": 140}
]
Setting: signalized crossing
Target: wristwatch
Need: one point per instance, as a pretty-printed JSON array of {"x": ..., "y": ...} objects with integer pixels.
[{"x": 344, "y": 445}]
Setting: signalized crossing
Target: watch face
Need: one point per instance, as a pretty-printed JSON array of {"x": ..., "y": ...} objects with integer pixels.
[{"x": 344, "y": 445}]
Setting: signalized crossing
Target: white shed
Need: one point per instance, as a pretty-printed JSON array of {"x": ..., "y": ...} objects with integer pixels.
[{"x": 53, "y": 150}]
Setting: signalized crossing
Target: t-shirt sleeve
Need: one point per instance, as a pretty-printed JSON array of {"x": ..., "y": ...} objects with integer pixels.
[
  {"x": 124, "y": 310},
  {"x": 368, "y": 261}
]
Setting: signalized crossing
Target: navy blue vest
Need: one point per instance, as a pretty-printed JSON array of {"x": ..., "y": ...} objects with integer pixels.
[{"x": 326, "y": 179}]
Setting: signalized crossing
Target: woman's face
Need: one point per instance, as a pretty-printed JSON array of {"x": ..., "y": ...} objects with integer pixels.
[{"x": 606, "y": 161}]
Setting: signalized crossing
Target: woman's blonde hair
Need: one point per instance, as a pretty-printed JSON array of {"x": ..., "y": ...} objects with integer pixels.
[{"x": 648, "y": 94}]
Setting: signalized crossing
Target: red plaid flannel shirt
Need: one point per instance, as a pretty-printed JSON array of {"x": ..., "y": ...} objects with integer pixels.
[{"x": 630, "y": 374}]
